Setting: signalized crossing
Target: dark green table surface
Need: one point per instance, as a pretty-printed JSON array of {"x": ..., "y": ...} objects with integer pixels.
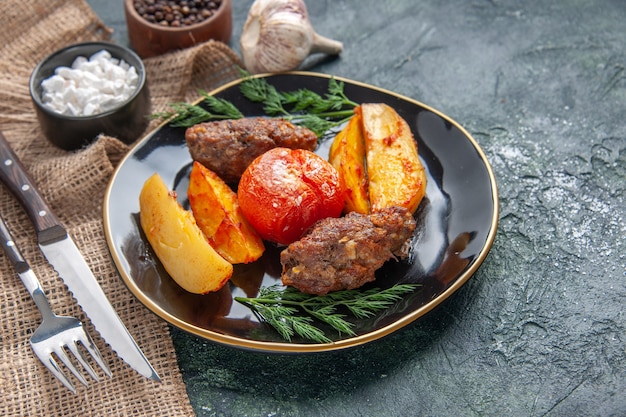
[{"x": 540, "y": 329}]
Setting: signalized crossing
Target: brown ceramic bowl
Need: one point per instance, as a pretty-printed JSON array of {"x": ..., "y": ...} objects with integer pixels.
[
  {"x": 126, "y": 121},
  {"x": 151, "y": 39}
]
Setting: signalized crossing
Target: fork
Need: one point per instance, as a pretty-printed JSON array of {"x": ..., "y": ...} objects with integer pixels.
[{"x": 57, "y": 334}]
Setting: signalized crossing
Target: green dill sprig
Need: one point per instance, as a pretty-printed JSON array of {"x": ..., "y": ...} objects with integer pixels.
[
  {"x": 291, "y": 312},
  {"x": 302, "y": 107},
  {"x": 186, "y": 115},
  {"x": 275, "y": 102}
]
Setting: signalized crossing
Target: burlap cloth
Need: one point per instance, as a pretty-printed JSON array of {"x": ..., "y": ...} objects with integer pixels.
[{"x": 74, "y": 184}]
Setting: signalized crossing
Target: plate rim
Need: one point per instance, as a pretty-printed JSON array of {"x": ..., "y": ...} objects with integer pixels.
[{"x": 268, "y": 346}]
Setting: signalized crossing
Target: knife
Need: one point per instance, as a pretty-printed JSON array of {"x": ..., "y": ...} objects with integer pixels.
[{"x": 60, "y": 250}]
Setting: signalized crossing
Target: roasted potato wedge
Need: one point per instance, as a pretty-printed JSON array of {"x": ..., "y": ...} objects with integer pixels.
[
  {"x": 178, "y": 242},
  {"x": 205, "y": 204},
  {"x": 217, "y": 212},
  {"x": 347, "y": 155},
  {"x": 396, "y": 176}
]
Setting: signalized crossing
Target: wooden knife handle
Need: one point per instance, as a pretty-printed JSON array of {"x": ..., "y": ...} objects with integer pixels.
[{"x": 13, "y": 174}]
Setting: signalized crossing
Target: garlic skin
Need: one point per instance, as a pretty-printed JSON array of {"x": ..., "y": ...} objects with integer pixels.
[{"x": 278, "y": 36}]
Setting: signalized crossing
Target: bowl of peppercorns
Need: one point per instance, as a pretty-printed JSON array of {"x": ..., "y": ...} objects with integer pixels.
[{"x": 159, "y": 26}]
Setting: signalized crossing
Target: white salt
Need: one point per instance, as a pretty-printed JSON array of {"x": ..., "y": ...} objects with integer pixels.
[{"x": 90, "y": 86}]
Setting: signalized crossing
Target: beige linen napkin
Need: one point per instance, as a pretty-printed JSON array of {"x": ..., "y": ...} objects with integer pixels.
[{"x": 74, "y": 184}]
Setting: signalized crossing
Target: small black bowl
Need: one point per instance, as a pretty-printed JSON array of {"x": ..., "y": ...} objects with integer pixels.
[{"x": 125, "y": 122}]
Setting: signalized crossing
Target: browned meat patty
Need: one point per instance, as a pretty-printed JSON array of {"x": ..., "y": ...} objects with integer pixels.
[
  {"x": 227, "y": 147},
  {"x": 344, "y": 253}
]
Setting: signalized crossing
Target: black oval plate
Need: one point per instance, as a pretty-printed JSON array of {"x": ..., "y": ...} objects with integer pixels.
[{"x": 457, "y": 223}]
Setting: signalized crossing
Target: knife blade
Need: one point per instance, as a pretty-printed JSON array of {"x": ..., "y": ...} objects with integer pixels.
[{"x": 63, "y": 254}]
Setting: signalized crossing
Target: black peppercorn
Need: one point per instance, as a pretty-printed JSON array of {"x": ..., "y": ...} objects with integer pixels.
[{"x": 176, "y": 13}]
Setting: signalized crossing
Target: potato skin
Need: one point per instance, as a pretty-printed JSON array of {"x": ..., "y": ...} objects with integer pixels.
[
  {"x": 347, "y": 155},
  {"x": 217, "y": 212},
  {"x": 396, "y": 175},
  {"x": 178, "y": 242},
  {"x": 376, "y": 155}
]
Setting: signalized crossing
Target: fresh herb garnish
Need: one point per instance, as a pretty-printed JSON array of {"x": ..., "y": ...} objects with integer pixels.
[
  {"x": 186, "y": 115},
  {"x": 302, "y": 107},
  {"x": 291, "y": 312}
]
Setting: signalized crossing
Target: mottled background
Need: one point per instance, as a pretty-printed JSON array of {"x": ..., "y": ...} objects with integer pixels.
[{"x": 540, "y": 328}]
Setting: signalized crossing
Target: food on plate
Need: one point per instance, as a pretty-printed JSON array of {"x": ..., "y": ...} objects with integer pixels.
[
  {"x": 288, "y": 195},
  {"x": 227, "y": 147},
  {"x": 216, "y": 210},
  {"x": 393, "y": 171},
  {"x": 347, "y": 154},
  {"x": 178, "y": 242},
  {"x": 345, "y": 252},
  {"x": 284, "y": 191}
]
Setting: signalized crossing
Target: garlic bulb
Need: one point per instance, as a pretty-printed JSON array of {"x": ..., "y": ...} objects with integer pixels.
[{"x": 278, "y": 36}]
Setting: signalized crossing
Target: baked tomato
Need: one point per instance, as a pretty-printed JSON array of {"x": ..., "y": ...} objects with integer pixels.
[{"x": 285, "y": 191}]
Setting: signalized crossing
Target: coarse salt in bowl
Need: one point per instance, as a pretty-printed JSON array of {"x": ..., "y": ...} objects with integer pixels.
[
  {"x": 90, "y": 88},
  {"x": 91, "y": 85}
]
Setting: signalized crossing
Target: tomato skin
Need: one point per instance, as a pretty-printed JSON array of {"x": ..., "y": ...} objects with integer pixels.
[{"x": 284, "y": 191}]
